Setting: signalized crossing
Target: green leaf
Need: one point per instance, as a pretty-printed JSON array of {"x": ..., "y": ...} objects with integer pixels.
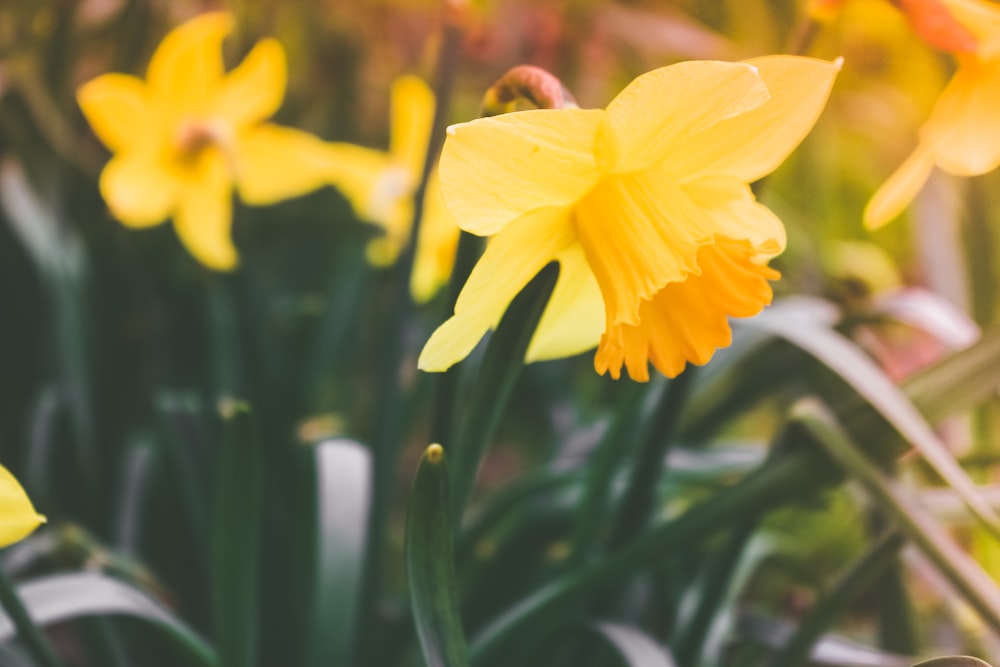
[
  {"x": 719, "y": 634},
  {"x": 63, "y": 597},
  {"x": 855, "y": 368},
  {"x": 59, "y": 254},
  {"x": 959, "y": 381},
  {"x": 236, "y": 538},
  {"x": 636, "y": 648},
  {"x": 712, "y": 591},
  {"x": 430, "y": 565},
  {"x": 501, "y": 366},
  {"x": 516, "y": 495},
  {"x": 35, "y": 642},
  {"x": 859, "y": 578},
  {"x": 778, "y": 481},
  {"x": 343, "y": 499},
  {"x": 899, "y": 503},
  {"x": 831, "y": 650}
]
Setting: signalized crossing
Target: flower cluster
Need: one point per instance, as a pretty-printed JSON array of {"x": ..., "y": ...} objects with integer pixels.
[
  {"x": 190, "y": 134},
  {"x": 645, "y": 205}
]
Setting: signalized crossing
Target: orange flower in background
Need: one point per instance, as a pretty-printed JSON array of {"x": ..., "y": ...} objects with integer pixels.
[
  {"x": 962, "y": 135},
  {"x": 928, "y": 18},
  {"x": 645, "y": 205},
  {"x": 189, "y": 134}
]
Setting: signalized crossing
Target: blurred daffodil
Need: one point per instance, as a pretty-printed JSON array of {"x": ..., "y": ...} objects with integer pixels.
[
  {"x": 962, "y": 135},
  {"x": 18, "y": 517},
  {"x": 187, "y": 135},
  {"x": 383, "y": 188},
  {"x": 645, "y": 205}
]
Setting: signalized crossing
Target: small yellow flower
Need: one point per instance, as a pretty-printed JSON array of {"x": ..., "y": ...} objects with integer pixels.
[
  {"x": 962, "y": 135},
  {"x": 18, "y": 518},
  {"x": 184, "y": 137},
  {"x": 390, "y": 180},
  {"x": 645, "y": 205}
]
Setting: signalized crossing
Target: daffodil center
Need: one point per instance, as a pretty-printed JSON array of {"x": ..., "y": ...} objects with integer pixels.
[{"x": 194, "y": 136}]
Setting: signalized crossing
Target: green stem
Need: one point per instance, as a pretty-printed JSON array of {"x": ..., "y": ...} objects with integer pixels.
[
  {"x": 859, "y": 578},
  {"x": 640, "y": 497},
  {"x": 601, "y": 471},
  {"x": 31, "y": 635},
  {"x": 386, "y": 436},
  {"x": 226, "y": 339},
  {"x": 898, "y": 627}
]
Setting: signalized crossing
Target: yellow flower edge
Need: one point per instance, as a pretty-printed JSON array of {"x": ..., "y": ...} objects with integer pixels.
[
  {"x": 645, "y": 205},
  {"x": 187, "y": 136},
  {"x": 18, "y": 517},
  {"x": 962, "y": 134},
  {"x": 386, "y": 198}
]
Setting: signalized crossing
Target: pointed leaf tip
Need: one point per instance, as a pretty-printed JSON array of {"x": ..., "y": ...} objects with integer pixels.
[{"x": 434, "y": 453}]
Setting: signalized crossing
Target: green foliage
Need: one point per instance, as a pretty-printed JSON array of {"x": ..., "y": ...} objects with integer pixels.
[{"x": 430, "y": 564}]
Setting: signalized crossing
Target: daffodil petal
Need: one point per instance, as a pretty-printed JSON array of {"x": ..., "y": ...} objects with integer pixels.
[
  {"x": 687, "y": 321},
  {"x": 574, "y": 317},
  {"x": 963, "y": 130},
  {"x": 186, "y": 70},
  {"x": 275, "y": 163},
  {"x": 412, "y": 104},
  {"x": 436, "y": 245},
  {"x": 736, "y": 214},
  {"x": 203, "y": 219},
  {"x": 384, "y": 250},
  {"x": 253, "y": 91},
  {"x": 639, "y": 233},
  {"x": 512, "y": 258},
  {"x": 658, "y": 110},
  {"x": 18, "y": 517},
  {"x": 752, "y": 144},
  {"x": 115, "y": 106},
  {"x": 360, "y": 175},
  {"x": 494, "y": 170},
  {"x": 140, "y": 189},
  {"x": 980, "y": 18},
  {"x": 897, "y": 192}
]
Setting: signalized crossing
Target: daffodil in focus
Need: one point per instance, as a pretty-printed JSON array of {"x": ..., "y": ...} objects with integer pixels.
[
  {"x": 386, "y": 182},
  {"x": 187, "y": 135},
  {"x": 18, "y": 517},
  {"x": 645, "y": 205},
  {"x": 962, "y": 135}
]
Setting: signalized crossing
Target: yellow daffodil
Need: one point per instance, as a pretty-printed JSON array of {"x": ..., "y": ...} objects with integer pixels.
[
  {"x": 962, "y": 135},
  {"x": 386, "y": 193},
  {"x": 187, "y": 135},
  {"x": 18, "y": 517},
  {"x": 645, "y": 205}
]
